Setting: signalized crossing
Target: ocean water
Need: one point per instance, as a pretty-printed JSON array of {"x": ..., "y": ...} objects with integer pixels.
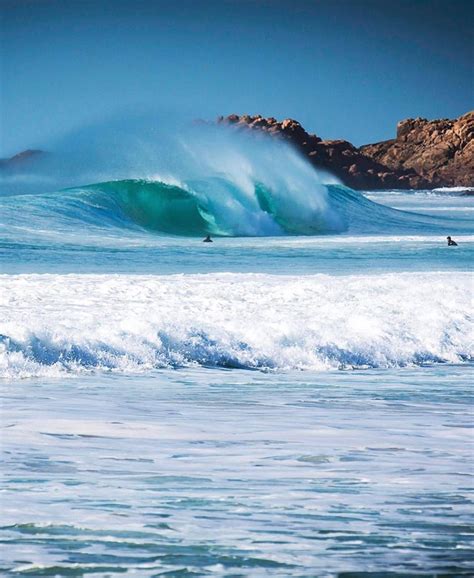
[{"x": 294, "y": 399}]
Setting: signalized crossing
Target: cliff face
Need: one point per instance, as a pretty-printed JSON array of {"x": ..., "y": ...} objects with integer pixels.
[{"x": 424, "y": 154}]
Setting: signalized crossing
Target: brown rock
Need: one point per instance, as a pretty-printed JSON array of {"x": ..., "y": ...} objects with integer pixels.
[
  {"x": 425, "y": 154},
  {"x": 439, "y": 151},
  {"x": 338, "y": 156}
]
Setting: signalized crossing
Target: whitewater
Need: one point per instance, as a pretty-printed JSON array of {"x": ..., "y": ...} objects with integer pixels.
[
  {"x": 232, "y": 320},
  {"x": 293, "y": 399}
]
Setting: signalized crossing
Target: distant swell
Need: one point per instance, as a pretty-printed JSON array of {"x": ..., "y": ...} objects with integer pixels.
[{"x": 58, "y": 325}]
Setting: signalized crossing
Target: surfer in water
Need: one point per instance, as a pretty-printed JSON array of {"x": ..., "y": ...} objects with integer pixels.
[
  {"x": 208, "y": 239},
  {"x": 451, "y": 243}
]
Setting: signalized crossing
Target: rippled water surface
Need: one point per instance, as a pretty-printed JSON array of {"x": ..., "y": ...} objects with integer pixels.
[{"x": 234, "y": 473}]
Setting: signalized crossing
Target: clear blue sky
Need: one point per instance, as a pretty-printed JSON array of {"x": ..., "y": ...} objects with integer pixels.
[{"x": 343, "y": 68}]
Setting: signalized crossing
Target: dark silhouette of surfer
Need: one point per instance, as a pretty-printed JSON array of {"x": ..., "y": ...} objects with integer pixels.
[
  {"x": 208, "y": 239},
  {"x": 451, "y": 243}
]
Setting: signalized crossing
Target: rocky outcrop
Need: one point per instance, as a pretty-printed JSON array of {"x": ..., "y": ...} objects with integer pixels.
[
  {"x": 407, "y": 162},
  {"x": 339, "y": 157},
  {"x": 21, "y": 159},
  {"x": 440, "y": 151}
]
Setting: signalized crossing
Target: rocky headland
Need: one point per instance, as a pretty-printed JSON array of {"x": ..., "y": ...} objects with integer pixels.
[
  {"x": 21, "y": 159},
  {"x": 424, "y": 154}
]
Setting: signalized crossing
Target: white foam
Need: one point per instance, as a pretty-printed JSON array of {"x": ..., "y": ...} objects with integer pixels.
[
  {"x": 453, "y": 189},
  {"x": 68, "y": 324}
]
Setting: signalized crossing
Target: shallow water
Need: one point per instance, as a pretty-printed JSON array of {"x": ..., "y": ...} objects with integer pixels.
[
  {"x": 334, "y": 255},
  {"x": 272, "y": 406},
  {"x": 226, "y": 472}
]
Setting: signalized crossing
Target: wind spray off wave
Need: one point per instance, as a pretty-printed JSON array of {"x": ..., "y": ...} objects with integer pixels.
[{"x": 207, "y": 181}]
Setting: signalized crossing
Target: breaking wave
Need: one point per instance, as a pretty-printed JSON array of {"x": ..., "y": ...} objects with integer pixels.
[
  {"x": 217, "y": 206},
  {"x": 57, "y": 325},
  {"x": 202, "y": 182},
  {"x": 221, "y": 207}
]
